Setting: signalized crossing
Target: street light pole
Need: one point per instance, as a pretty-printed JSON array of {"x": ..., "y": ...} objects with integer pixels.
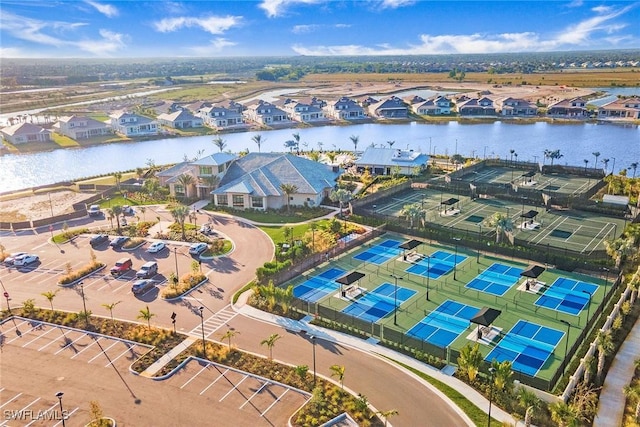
[
  {"x": 606, "y": 277},
  {"x": 492, "y": 371},
  {"x": 428, "y": 274},
  {"x": 204, "y": 348},
  {"x": 84, "y": 304},
  {"x": 479, "y": 243},
  {"x": 313, "y": 341},
  {"x": 395, "y": 298},
  {"x": 175, "y": 255},
  {"x": 455, "y": 258},
  {"x": 59, "y": 396},
  {"x": 566, "y": 345},
  {"x": 588, "y": 304}
]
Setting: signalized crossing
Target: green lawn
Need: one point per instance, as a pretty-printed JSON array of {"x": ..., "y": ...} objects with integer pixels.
[
  {"x": 274, "y": 217},
  {"x": 277, "y": 232}
]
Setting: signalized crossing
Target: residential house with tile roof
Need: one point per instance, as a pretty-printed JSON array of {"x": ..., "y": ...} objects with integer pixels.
[
  {"x": 301, "y": 111},
  {"x": 254, "y": 182},
  {"x": 575, "y": 108},
  {"x": 181, "y": 119},
  {"x": 477, "y": 107},
  {"x": 131, "y": 125},
  {"x": 436, "y": 106},
  {"x": 23, "y": 133},
  {"x": 205, "y": 173},
  {"x": 220, "y": 117},
  {"x": 514, "y": 107},
  {"x": 391, "y": 161},
  {"x": 390, "y": 108},
  {"x": 621, "y": 108},
  {"x": 345, "y": 109},
  {"x": 81, "y": 127},
  {"x": 266, "y": 113}
]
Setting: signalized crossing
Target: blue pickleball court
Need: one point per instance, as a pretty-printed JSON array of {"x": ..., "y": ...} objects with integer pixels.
[
  {"x": 444, "y": 324},
  {"x": 317, "y": 287},
  {"x": 567, "y": 295},
  {"x": 380, "y": 253},
  {"x": 378, "y": 303},
  {"x": 438, "y": 264},
  {"x": 495, "y": 280}
]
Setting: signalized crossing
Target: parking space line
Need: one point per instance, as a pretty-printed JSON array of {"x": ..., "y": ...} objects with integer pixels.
[
  {"x": 68, "y": 416},
  {"x": 46, "y": 411},
  {"x": 10, "y": 400},
  {"x": 193, "y": 377},
  {"x": 266, "y": 383},
  {"x": 71, "y": 343},
  {"x": 38, "y": 337},
  {"x": 21, "y": 334},
  {"x": 234, "y": 388},
  {"x": 286, "y": 390},
  {"x": 94, "y": 342},
  {"x": 103, "y": 352},
  {"x": 121, "y": 354},
  {"x": 127, "y": 283},
  {"x": 51, "y": 342},
  {"x": 214, "y": 381},
  {"x": 14, "y": 326}
]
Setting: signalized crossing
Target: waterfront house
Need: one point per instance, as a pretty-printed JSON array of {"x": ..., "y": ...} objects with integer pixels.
[
  {"x": 254, "y": 182},
  {"x": 390, "y": 108},
  {"x": 621, "y": 108},
  {"x": 345, "y": 109},
  {"x": 226, "y": 115},
  {"x": 81, "y": 127},
  {"x": 575, "y": 108},
  {"x": 205, "y": 173},
  {"x": 391, "y": 161},
  {"x": 130, "y": 124},
  {"x": 513, "y": 107},
  {"x": 266, "y": 113},
  {"x": 301, "y": 111},
  {"x": 435, "y": 106},
  {"x": 25, "y": 132},
  {"x": 476, "y": 107},
  {"x": 181, "y": 119}
]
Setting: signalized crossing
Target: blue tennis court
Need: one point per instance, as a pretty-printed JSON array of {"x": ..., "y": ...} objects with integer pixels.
[
  {"x": 380, "y": 253},
  {"x": 527, "y": 346},
  {"x": 495, "y": 280},
  {"x": 317, "y": 287},
  {"x": 376, "y": 304},
  {"x": 567, "y": 295},
  {"x": 438, "y": 264},
  {"x": 444, "y": 324}
]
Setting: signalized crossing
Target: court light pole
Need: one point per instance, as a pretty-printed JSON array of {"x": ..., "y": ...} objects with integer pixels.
[
  {"x": 492, "y": 371},
  {"x": 84, "y": 303},
  {"x": 606, "y": 277},
  {"x": 59, "y": 396},
  {"x": 395, "y": 298},
  {"x": 428, "y": 274},
  {"x": 313, "y": 342},
  {"x": 175, "y": 255},
  {"x": 588, "y": 305},
  {"x": 455, "y": 258},
  {"x": 479, "y": 243},
  {"x": 204, "y": 348},
  {"x": 566, "y": 345}
]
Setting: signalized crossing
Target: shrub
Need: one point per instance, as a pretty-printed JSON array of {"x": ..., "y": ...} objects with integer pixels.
[
  {"x": 73, "y": 276},
  {"x": 185, "y": 284}
]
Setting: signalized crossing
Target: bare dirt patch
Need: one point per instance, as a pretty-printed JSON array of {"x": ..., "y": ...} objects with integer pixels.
[{"x": 39, "y": 206}]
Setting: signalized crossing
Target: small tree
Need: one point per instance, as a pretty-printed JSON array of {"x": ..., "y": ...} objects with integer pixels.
[
  {"x": 219, "y": 142},
  {"x": 470, "y": 360},
  {"x": 301, "y": 371},
  {"x": 270, "y": 342},
  {"x": 50, "y": 295},
  {"x": 605, "y": 347},
  {"x": 110, "y": 307},
  {"x": 179, "y": 214},
  {"x": 338, "y": 372},
  {"x": 387, "y": 414},
  {"x": 288, "y": 190},
  {"x": 147, "y": 315},
  {"x": 341, "y": 196},
  {"x": 258, "y": 140},
  {"x": 228, "y": 335},
  {"x": 530, "y": 402}
]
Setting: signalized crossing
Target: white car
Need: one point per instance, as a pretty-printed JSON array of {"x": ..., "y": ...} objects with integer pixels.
[
  {"x": 197, "y": 248},
  {"x": 25, "y": 259},
  {"x": 12, "y": 257},
  {"x": 156, "y": 247}
]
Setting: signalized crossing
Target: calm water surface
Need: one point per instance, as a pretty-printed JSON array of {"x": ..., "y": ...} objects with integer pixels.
[{"x": 577, "y": 142}]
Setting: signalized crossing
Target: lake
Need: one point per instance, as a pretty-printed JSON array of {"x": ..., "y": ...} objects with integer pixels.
[{"x": 576, "y": 141}]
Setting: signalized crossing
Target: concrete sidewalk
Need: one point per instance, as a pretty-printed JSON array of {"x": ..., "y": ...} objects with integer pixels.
[
  {"x": 612, "y": 399},
  {"x": 156, "y": 366}
]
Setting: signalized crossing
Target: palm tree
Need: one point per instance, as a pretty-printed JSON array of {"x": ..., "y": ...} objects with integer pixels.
[
  {"x": 179, "y": 214},
  {"x": 605, "y": 347},
  {"x": 258, "y": 140},
  {"x": 110, "y": 307},
  {"x": 296, "y": 138},
  {"x": 502, "y": 224},
  {"x": 50, "y": 295},
  {"x": 633, "y": 393},
  {"x": 116, "y": 211},
  {"x": 211, "y": 181},
  {"x": 186, "y": 181},
  {"x": 118, "y": 177},
  {"x": 634, "y": 166},
  {"x": 338, "y": 372},
  {"x": 530, "y": 402},
  {"x": 502, "y": 376},
  {"x": 606, "y": 165},
  {"x": 219, "y": 142},
  {"x": 288, "y": 190},
  {"x": 143, "y": 209},
  {"x": 270, "y": 343},
  {"x": 151, "y": 187},
  {"x": 619, "y": 249},
  {"x": 391, "y": 143},
  {"x": 556, "y": 155},
  {"x": 470, "y": 360},
  {"x": 387, "y": 414},
  {"x": 564, "y": 415},
  {"x": 147, "y": 315},
  {"x": 354, "y": 139},
  {"x": 290, "y": 144},
  {"x": 511, "y": 152},
  {"x": 229, "y": 334},
  {"x": 332, "y": 155},
  {"x": 413, "y": 212},
  {"x": 586, "y": 162},
  {"x": 341, "y": 196},
  {"x": 596, "y": 154}
]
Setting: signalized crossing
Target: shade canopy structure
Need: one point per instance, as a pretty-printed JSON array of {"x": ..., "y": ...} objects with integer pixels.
[
  {"x": 485, "y": 316},
  {"x": 533, "y": 272},
  {"x": 529, "y": 215},
  {"x": 449, "y": 202},
  {"x": 350, "y": 278},
  {"x": 529, "y": 174},
  {"x": 410, "y": 244}
]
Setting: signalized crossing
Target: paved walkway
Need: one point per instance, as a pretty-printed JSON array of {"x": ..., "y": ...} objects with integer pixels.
[
  {"x": 612, "y": 399},
  {"x": 156, "y": 366}
]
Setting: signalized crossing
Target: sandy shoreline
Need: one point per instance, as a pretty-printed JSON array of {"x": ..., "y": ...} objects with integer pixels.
[{"x": 39, "y": 206}]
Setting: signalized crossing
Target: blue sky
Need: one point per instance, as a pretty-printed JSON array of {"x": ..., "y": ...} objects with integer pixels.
[{"x": 201, "y": 28}]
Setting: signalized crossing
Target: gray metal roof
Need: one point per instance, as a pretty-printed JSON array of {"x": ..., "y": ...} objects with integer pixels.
[
  {"x": 392, "y": 157},
  {"x": 215, "y": 159}
]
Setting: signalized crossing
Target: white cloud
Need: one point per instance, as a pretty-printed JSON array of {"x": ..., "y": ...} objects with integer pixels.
[
  {"x": 275, "y": 8},
  {"x": 303, "y": 29},
  {"x": 215, "y": 47},
  {"x": 576, "y": 3},
  {"x": 54, "y": 33},
  {"x": 212, "y": 24},
  {"x": 106, "y": 9},
  {"x": 582, "y": 34},
  {"x": 394, "y": 4}
]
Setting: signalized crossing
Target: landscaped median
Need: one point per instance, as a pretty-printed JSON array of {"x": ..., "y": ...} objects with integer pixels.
[
  {"x": 74, "y": 276},
  {"x": 178, "y": 288}
]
